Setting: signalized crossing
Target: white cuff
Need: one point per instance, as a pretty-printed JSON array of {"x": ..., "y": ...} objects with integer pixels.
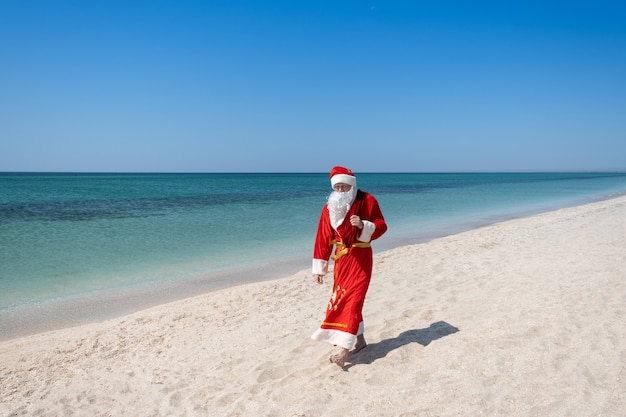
[
  {"x": 320, "y": 267},
  {"x": 367, "y": 231}
]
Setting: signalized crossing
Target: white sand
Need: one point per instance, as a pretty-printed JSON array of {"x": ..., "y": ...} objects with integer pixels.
[{"x": 522, "y": 318}]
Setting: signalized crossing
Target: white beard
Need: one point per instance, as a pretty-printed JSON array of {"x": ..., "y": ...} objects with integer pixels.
[{"x": 338, "y": 206}]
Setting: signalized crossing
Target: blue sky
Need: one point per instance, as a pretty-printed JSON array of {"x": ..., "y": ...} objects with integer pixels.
[{"x": 300, "y": 86}]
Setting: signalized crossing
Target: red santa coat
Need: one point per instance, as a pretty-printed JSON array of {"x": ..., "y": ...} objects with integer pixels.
[{"x": 352, "y": 270}]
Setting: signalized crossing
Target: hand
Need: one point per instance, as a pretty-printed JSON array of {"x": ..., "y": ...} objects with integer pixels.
[
  {"x": 319, "y": 279},
  {"x": 356, "y": 221}
]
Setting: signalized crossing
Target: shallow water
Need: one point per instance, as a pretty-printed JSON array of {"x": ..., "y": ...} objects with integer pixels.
[{"x": 80, "y": 247}]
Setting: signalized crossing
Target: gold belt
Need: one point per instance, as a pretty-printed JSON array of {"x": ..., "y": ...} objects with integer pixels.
[{"x": 343, "y": 249}]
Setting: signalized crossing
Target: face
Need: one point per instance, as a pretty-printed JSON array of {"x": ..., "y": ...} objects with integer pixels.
[{"x": 340, "y": 187}]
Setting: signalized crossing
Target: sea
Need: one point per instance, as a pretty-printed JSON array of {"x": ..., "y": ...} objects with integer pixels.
[{"x": 82, "y": 247}]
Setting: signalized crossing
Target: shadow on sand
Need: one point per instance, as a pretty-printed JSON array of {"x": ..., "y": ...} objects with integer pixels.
[{"x": 424, "y": 337}]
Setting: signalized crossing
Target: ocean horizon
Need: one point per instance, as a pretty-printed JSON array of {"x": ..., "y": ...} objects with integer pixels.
[{"x": 82, "y": 247}]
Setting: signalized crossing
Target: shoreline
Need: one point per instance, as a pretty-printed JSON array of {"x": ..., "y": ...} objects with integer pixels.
[
  {"x": 519, "y": 318},
  {"x": 76, "y": 311}
]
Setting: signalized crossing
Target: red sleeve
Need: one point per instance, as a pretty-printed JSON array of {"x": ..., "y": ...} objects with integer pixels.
[
  {"x": 325, "y": 234},
  {"x": 371, "y": 211}
]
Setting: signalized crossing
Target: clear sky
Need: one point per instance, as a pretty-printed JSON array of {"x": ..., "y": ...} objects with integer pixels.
[{"x": 300, "y": 86}]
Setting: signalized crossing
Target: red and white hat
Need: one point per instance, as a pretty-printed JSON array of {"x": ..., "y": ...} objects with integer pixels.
[{"x": 342, "y": 175}]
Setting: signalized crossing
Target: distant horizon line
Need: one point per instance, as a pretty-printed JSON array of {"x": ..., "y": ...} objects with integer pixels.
[{"x": 539, "y": 171}]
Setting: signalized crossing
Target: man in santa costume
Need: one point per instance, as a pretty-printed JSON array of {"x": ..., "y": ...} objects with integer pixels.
[{"x": 349, "y": 222}]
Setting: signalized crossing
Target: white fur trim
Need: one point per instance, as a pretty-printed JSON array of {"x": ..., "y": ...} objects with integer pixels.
[
  {"x": 361, "y": 329},
  {"x": 335, "y": 337},
  {"x": 320, "y": 267},
  {"x": 367, "y": 231},
  {"x": 344, "y": 179}
]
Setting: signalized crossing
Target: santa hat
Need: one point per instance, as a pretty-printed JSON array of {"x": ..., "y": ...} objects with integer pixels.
[{"x": 342, "y": 175}]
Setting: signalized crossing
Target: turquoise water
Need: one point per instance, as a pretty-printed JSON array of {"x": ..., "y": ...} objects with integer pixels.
[{"x": 78, "y": 247}]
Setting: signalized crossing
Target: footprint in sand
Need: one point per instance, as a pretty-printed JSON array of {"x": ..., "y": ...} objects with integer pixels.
[{"x": 271, "y": 371}]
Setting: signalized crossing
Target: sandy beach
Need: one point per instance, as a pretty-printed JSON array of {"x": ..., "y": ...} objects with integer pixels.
[{"x": 521, "y": 318}]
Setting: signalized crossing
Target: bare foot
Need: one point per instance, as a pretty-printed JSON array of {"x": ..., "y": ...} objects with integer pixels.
[
  {"x": 337, "y": 360},
  {"x": 340, "y": 358},
  {"x": 358, "y": 348},
  {"x": 360, "y": 344}
]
